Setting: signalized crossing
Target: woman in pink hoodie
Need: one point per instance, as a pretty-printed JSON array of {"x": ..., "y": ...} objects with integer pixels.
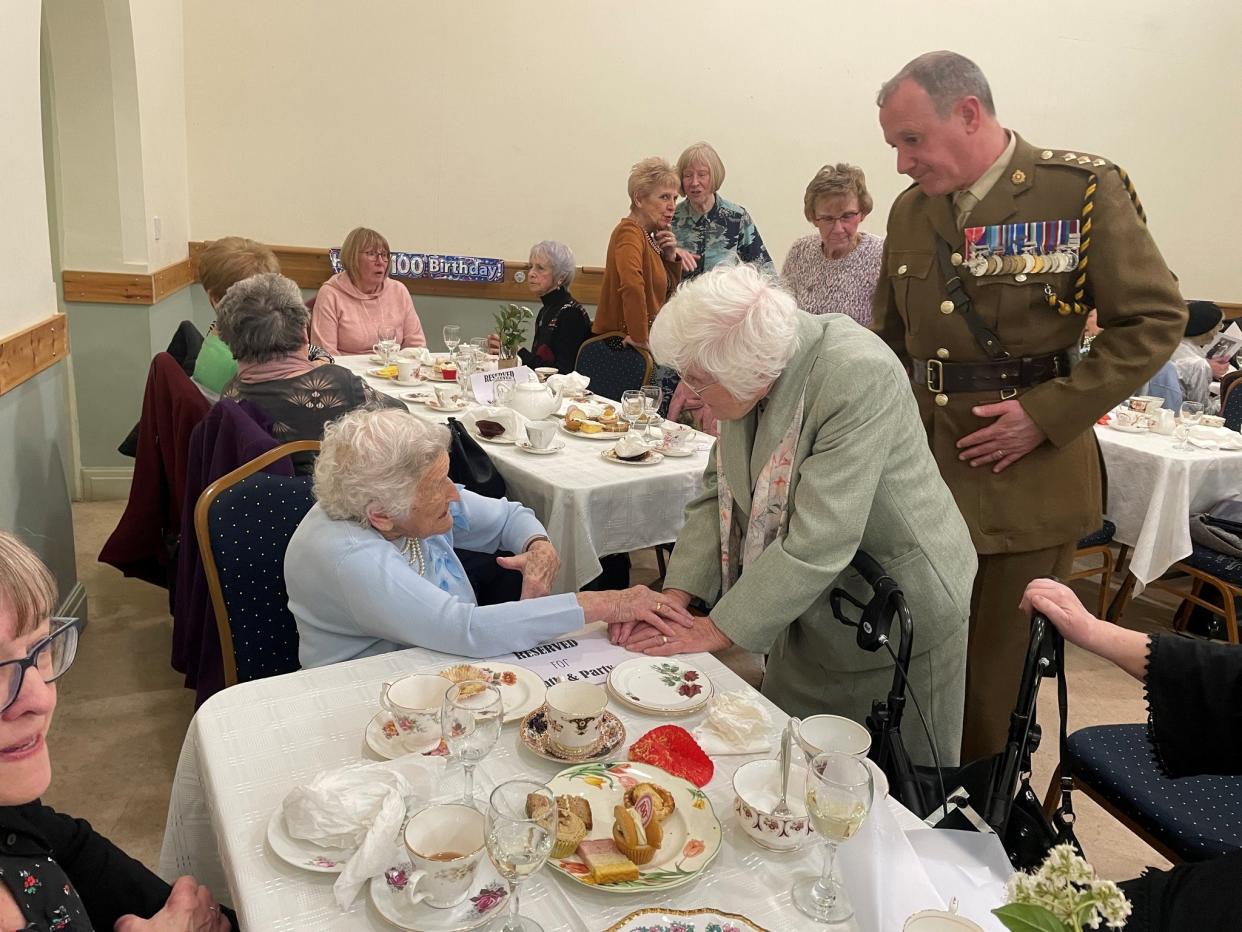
[{"x": 354, "y": 306}]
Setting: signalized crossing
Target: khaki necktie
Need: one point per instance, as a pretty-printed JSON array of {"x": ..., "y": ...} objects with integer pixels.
[{"x": 963, "y": 203}]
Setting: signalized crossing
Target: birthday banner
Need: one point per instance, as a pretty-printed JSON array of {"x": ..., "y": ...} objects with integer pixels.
[{"x": 444, "y": 268}]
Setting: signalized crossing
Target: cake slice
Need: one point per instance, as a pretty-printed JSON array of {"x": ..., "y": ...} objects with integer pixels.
[
  {"x": 607, "y": 864},
  {"x": 579, "y": 807}
]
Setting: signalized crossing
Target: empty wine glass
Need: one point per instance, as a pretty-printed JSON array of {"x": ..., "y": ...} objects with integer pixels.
[
  {"x": 1191, "y": 412},
  {"x": 467, "y": 363},
  {"x": 632, "y": 405},
  {"x": 452, "y": 336},
  {"x": 653, "y": 396},
  {"x": 839, "y": 793},
  {"x": 470, "y": 719},
  {"x": 519, "y": 832},
  {"x": 387, "y": 347}
]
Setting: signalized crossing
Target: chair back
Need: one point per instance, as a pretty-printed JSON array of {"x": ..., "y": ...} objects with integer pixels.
[
  {"x": 613, "y": 366},
  {"x": 1231, "y": 402},
  {"x": 244, "y": 521}
]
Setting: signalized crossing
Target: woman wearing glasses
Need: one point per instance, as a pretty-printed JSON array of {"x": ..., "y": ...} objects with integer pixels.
[
  {"x": 56, "y": 872},
  {"x": 361, "y": 305},
  {"x": 834, "y": 271}
]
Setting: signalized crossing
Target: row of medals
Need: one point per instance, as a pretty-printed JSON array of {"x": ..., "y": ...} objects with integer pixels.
[{"x": 1023, "y": 264}]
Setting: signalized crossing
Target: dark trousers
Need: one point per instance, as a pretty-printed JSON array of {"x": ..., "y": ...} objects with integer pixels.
[
  {"x": 492, "y": 583},
  {"x": 1201, "y": 896}
]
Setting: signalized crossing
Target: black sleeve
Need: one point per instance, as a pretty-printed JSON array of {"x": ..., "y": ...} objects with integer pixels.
[
  {"x": 572, "y": 328},
  {"x": 1194, "y": 701}
]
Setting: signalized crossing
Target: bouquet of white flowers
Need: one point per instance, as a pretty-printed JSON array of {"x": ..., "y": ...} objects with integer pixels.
[{"x": 1062, "y": 896}]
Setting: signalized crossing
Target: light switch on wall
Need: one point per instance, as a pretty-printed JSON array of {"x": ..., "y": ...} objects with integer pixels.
[{"x": 157, "y": 227}]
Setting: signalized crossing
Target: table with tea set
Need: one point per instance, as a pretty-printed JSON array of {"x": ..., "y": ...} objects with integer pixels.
[
  {"x": 591, "y": 503},
  {"x": 1160, "y": 471},
  {"x": 724, "y": 859}
]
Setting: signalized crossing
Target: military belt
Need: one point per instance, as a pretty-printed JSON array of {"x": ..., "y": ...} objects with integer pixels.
[{"x": 1005, "y": 375}]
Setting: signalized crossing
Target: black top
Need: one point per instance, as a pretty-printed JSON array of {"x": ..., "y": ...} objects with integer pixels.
[
  {"x": 57, "y": 866},
  {"x": 1194, "y": 698},
  {"x": 560, "y": 329},
  {"x": 302, "y": 405}
]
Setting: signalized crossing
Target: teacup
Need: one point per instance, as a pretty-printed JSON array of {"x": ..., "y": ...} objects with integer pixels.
[
  {"x": 544, "y": 371},
  {"x": 414, "y": 702},
  {"x": 406, "y": 369},
  {"x": 936, "y": 920},
  {"x": 757, "y": 792},
  {"x": 575, "y": 715},
  {"x": 677, "y": 436},
  {"x": 1133, "y": 418},
  {"x": 448, "y": 396},
  {"x": 820, "y": 733},
  {"x": 445, "y": 843},
  {"x": 541, "y": 434},
  {"x": 1212, "y": 420},
  {"x": 1145, "y": 404}
]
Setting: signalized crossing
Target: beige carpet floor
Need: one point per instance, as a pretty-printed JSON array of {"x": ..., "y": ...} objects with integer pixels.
[{"x": 123, "y": 712}]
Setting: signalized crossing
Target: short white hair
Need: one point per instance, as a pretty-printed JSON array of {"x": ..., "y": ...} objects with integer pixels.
[
  {"x": 560, "y": 260},
  {"x": 373, "y": 460},
  {"x": 733, "y": 324}
]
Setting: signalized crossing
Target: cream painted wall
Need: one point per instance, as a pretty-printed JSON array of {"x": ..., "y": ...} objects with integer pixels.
[{"x": 485, "y": 131}]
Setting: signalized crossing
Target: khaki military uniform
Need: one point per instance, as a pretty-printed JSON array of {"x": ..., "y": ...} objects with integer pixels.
[{"x": 1025, "y": 521}]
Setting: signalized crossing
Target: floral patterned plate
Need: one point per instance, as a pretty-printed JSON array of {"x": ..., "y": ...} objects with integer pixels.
[
  {"x": 382, "y": 739},
  {"x": 302, "y": 853},
  {"x": 485, "y": 902},
  {"x": 521, "y": 690},
  {"x": 684, "y": 920},
  {"x": 664, "y": 685},
  {"x": 691, "y": 833}
]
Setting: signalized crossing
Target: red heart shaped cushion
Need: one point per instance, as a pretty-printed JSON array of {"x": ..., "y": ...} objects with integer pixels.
[{"x": 673, "y": 749}]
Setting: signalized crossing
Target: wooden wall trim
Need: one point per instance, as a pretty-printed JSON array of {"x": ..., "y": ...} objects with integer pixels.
[
  {"x": 28, "y": 352},
  {"x": 126, "y": 287},
  {"x": 309, "y": 267},
  {"x": 1232, "y": 311}
]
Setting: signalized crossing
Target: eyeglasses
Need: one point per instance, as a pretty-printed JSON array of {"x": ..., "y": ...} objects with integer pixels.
[
  {"x": 372, "y": 254},
  {"x": 845, "y": 219},
  {"x": 51, "y": 657},
  {"x": 698, "y": 392}
]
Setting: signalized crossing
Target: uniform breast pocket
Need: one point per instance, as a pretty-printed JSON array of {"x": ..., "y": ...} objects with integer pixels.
[
  {"x": 915, "y": 287},
  {"x": 1007, "y": 303}
]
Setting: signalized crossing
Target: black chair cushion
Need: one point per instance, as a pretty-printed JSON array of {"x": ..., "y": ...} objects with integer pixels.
[
  {"x": 250, "y": 525},
  {"x": 1098, "y": 538},
  {"x": 613, "y": 367},
  {"x": 1198, "y": 817},
  {"x": 1220, "y": 565}
]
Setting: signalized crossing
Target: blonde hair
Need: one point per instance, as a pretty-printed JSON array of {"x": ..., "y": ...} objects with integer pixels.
[
  {"x": 702, "y": 153},
  {"x": 358, "y": 241},
  {"x": 226, "y": 261},
  {"x": 840, "y": 180},
  {"x": 650, "y": 174},
  {"x": 26, "y": 585},
  {"x": 374, "y": 459}
]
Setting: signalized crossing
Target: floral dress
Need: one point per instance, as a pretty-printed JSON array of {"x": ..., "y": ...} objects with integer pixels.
[{"x": 44, "y": 895}]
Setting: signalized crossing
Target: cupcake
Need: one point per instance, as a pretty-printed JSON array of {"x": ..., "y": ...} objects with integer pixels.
[
  {"x": 636, "y": 841},
  {"x": 570, "y": 831}
]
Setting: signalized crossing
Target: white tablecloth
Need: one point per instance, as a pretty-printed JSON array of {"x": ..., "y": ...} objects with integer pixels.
[
  {"x": 1153, "y": 489},
  {"x": 250, "y": 744},
  {"x": 590, "y": 507}
]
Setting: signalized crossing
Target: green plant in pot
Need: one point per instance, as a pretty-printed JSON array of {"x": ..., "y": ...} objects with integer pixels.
[{"x": 511, "y": 328}]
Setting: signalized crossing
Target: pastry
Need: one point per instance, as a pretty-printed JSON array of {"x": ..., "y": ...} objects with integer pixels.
[
  {"x": 579, "y": 807},
  {"x": 662, "y": 803},
  {"x": 460, "y": 672},
  {"x": 489, "y": 429},
  {"x": 575, "y": 805},
  {"x": 590, "y": 427},
  {"x": 573, "y": 424},
  {"x": 607, "y": 864},
  {"x": 637, "y": 841},
  {"x": 569, "y": 831},
  {"x": 573, "y": 412},
  {"x": 608, "y": 414}
]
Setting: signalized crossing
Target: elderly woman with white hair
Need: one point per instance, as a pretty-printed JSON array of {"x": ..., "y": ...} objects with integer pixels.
[
  {"x": 562, "y": 324},
  {"x": 821, "y": 454},
  {"x": 371, "y": 568},
  {"x": 709, "y": 228}
]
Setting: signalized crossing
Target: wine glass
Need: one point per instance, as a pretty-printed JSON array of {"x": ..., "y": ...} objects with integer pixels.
[
  {"x": 519, "y": 842},
  {"x": 467, "y": 363},
  {"x": 387, "y": 347},
  {"x": 839, "y": 793},
  {"x": 653, "y": 395},
  {"x": 452, "y": 336},
  {"x": 632, "y": 403},
  {"x": 470, "y": 718},
  {"x": 1191, "y": 412}
]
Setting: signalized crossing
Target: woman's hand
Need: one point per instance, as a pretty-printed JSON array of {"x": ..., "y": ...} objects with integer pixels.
[
  {"x": 635, "y": 604},
  {"x": 621, "y": 633},
  {"x": 493, "y": 343},
  {"x": 538, "y": 565},
  {"x": 689, "y": 261},
  {"x": 703, "y": 636},
  {"x": 190, "y": 908},
  {"x": 1057, "y": 602},
  {"x": 666, "y": 242},
  {"x": 1219, "y": 366},
  {"x": 625, "y": 340}
]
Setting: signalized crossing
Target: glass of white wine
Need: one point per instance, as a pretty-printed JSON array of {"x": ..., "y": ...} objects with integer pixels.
[
  {"x": 470, "y": 719},
  {"x": 839, "y": 793},
  {"x": 452, "y": 336},
  {"x": 519, "y": 833}
]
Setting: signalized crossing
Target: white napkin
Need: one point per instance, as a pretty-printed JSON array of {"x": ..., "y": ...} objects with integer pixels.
[
  {"x": 362, "y": 808},
  {"x": 1214, "y": 438},
  {"x": 575, "y": 383},
  {"x": 736, "y": 723},
  {"x": 420, "y": 354},
  {"x": 514, "y": 423}
]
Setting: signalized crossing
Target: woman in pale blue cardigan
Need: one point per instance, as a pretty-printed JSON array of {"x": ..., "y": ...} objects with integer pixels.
[{"x": 371, "y": 568}]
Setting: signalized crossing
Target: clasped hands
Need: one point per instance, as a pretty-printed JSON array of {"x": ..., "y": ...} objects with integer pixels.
[{"x": 697, "y": 634}]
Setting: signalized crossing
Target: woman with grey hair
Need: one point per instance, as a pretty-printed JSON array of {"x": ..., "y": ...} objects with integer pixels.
[
  {"x": 821, "y": 454},
  {"x": 562, "y": 324},
  {"x": 263, "y": 321},
  {"x": 372, "y": 568}
]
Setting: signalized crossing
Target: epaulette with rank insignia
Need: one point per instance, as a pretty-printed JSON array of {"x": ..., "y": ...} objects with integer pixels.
[{"x": 1090, "y": 163}]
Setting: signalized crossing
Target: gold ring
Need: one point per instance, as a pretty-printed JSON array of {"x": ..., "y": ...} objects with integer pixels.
[
  {"x": 663, "y": 639},
  {"x": 659, "y": 605}
]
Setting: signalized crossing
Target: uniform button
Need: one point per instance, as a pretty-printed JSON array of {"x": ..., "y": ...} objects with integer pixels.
[
  {"x": 901, "y": 270},
  {"x": 946, "y": 307},
  {"x": 942, "y": 353},
  {"x": 942, "y": 399},
  {"x": 11, "y": 840},
  {"x": 955, "y": 259},
  {"x": 1046, "y": 154},
  {"x": 1020, "y": 277}
]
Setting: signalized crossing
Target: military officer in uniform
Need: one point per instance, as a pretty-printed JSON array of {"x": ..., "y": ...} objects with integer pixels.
[{"x": 993, "y": 257}]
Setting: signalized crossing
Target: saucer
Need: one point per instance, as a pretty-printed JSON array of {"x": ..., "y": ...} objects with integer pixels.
[
  {"x": 499, "y": 438},
  {"x": 417, "y": 398},
  {"x": 486, "y": 900},
  {"x": 663, "y": 685},
  {"x": 534, "y": 734},
  {"x": 301, "y": 853},
  {"x": 675, "y": 451},
  {"x": 381, "y": 737},
  {"x": 434, "y": 405},
  {"x": 527, "y": 447},
  {"x": 649, "y": 458}
]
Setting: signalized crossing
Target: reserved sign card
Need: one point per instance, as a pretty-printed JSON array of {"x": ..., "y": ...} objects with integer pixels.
[
  {"x": 484, "y": 383},
  {"x": 582, "y": 659}
]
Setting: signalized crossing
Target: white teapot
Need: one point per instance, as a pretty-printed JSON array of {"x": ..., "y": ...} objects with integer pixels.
[{"x": 534, "y": 399}]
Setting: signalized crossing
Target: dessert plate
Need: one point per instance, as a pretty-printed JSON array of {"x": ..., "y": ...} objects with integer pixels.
[
  {"x": 655, "y": 919},
  {"x": 521, "y": 690},
  {"x": 649, "y": 458},
  {"x": 663, "y": 685},
  {"x": 527, "y": 447},
  {"x": 601, "y": 435}
]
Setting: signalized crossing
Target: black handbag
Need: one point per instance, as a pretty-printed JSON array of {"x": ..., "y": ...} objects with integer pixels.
[{"x": 469, "y": 464}]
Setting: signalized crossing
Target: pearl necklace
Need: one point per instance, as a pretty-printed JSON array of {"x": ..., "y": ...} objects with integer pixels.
[{"x": 413, "y": 551}]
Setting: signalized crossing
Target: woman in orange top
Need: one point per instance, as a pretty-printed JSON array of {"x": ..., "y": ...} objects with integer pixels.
[{"x": 642, "y": 267}]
